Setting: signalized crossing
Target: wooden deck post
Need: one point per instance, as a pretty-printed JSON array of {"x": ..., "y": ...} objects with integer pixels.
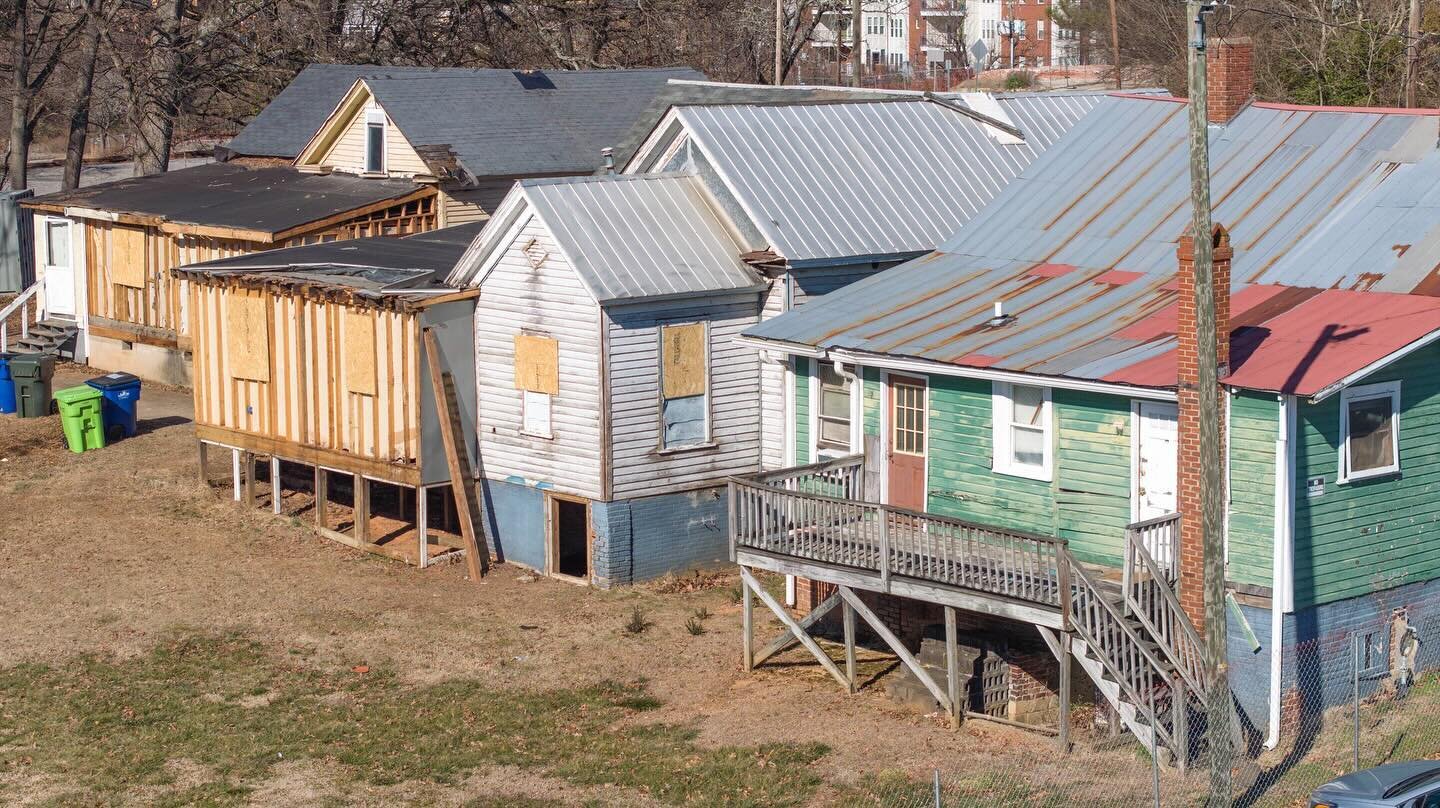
[
  {"x": 848, "y": 614},
  {"x": 1065, "y": 666},
  {"x": 276, "y": 502},
  {"x": 247, "y": 496},
  {"x": 422, "y": 526},
  {"x": 204, "y": 464},
  {"x": 322, "y": 498},
  {"x": 361, "y": 522},
  {"x": 747, "y": 625},
  {"x": 952, "y": 668},
  {"x": 795, "y": 628},
  {"x": 235, "y": 472},
  {"x": 878, "y": 626}
]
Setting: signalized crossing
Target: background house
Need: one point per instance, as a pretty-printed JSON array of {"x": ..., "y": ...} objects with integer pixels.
[{"x": 104, "y": 252}]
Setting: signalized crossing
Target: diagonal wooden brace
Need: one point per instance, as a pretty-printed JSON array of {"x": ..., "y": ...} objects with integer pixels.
[
  {"x": 795, "y": 629},
  {"x": 879, "y": 627},
  {"x": 787, "y": 638}
]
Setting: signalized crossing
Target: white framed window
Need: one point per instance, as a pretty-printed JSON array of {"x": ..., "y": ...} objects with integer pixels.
[
  {"x": 1039, "y": 29},
  {"x": 374, "y": 141},
  {"x": 834, "y": 413},
  {"x": 1369, "y": 431},
  {"x": 1022, "y": 430},
  {"x": 897, "y": 28},
  {"x": 57, "y": 243},
  {"x": 684, "y": 385},
  {"x": 535, "y": 415}
]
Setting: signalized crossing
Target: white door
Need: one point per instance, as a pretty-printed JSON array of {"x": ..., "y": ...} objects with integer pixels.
[
  {"x": 1157, "y": 461},
  {"x": 59, "y": 268}
]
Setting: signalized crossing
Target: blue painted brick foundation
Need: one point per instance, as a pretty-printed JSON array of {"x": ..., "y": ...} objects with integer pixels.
[{"x": 640, "y": 539}]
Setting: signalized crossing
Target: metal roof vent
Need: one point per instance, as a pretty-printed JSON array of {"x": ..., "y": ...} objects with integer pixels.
[
  {"x": 607, "y": 154},
  {"x": 533, "y": 80},
  {"x": 1000, "y": 318}
]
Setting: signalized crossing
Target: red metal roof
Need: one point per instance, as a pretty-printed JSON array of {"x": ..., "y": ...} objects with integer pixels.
[
  {"x": 1295, "y": 340},
  {"x": 1326, "y": 338}
]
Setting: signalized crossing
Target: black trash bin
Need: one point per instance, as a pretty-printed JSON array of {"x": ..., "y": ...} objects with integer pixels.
[{"x": 32, "y": 374}]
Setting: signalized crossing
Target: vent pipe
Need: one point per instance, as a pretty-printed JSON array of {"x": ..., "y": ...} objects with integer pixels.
[{"x": 609, "y": 156}]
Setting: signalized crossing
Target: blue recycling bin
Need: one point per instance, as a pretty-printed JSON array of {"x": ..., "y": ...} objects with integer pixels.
[
  {"x": 7, "y": 384},
  {"x": 120, "y": 409}
]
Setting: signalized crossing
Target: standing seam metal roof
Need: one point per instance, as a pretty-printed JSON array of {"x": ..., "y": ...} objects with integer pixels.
[
  {"x": 641, "y": 236},
  {"x": 1313, "y": 198}
]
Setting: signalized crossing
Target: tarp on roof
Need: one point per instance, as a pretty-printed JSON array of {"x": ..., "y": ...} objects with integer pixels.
[
  {"x": 872, "y": 178},
  {"x": 497, "y": 125},
  {"x": 1312, "y": 197},
  {"x": 270, "y": 200},
  {"x": 642, "y": 236}
]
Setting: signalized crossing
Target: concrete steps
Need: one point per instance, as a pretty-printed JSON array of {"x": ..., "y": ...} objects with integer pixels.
[{"x": 53, "y": 337}]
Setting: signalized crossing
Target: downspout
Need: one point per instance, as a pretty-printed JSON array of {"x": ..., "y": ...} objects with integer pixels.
[{"x": 1279, "y": 583}]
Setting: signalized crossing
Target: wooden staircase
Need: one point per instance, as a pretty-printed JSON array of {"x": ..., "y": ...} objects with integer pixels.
[
  {"x": 52, "y": 336},
  {"x": 38, "y": 333}
]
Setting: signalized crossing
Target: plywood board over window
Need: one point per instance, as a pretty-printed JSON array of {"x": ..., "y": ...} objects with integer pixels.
[
  {"x": 682, "y": 357},
  {"x": 127, "y": 256},
  {"x": 360, "y": 352},
  {"x": 537, "y": 364},
  {"x": 247, "y": 336}
]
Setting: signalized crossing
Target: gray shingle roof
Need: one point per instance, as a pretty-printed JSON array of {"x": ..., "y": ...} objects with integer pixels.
[{"x": 495, "y": 127}]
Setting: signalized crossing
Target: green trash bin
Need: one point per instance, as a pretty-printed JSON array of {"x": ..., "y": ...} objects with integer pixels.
[
  {"x": 32, "y": 374},
  {"x": 81, "y": 418}
]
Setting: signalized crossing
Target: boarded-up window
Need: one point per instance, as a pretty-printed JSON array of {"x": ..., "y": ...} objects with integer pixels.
[
  {"x": 127, "y": 256},
  {"x": 247, "y": 337},
  {"x": 684, "y": 385},
  {"x": 360, "y": 352},
  {"x": 537, "y": 364}
]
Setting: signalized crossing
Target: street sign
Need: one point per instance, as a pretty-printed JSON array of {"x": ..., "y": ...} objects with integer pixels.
[{"x": 979, "y": 53}]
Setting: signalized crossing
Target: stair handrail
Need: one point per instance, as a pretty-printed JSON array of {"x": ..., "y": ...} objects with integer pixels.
[
  {"x": 1174, "y": 633},
  {"x": 21, "y": 300},
  {"x": 1086, "y": 585}
]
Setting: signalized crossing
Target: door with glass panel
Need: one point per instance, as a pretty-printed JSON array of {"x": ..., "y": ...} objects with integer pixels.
[{"x": 906, "y": 444}]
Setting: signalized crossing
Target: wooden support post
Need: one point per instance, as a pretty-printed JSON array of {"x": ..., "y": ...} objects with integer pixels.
[
  {"x": 952, "y": 667},
  {"x": 1180, "y": 709},
  {"x": 848, "y": 614},
  {"x": 247, "y": 495},
  {"x": 878, "y": 626},
  {"x": 235, "y": 472},
  {"x": 447, "y": 408},
  {"x": 322, "y": 498},
  {"x": 361, "y": 523},
  {"x": 747, "y": 625},
  {"x": 790, "y": 623},
  {"x": 422, "y": 525},
  {"x": 276, "y": 502},
  {"x": 1065, "y": 666},
  {"x": 204, "y": 464}
]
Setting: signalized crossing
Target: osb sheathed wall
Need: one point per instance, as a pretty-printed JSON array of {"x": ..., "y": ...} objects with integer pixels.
[
  {"x": 322, "y": 374},
  {"x": 149, "y": 298}
]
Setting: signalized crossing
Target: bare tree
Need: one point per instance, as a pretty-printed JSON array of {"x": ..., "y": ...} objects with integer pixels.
[
  {"x": 39, "y": 35},
  {"x": 93, "y": 13}
]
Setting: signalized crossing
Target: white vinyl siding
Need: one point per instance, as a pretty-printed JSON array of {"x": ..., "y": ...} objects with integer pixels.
[
  {"x": 518, "y": 297},
  {"x": 772, "y": 391},
  {"x": 638, "y": 467},
  {"x": 348, "y": 152}
]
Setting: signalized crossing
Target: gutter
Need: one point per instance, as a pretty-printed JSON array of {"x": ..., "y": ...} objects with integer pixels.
[{"x": 1280, "y": 581}]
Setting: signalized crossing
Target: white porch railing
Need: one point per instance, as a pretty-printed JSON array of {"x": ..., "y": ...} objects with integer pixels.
[
  {"x": 24, "y": 303},
  {"x": 1149, "y": 588}
]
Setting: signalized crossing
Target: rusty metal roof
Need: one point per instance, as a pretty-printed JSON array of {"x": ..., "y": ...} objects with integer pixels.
[{"x": 1081, "y": 246}]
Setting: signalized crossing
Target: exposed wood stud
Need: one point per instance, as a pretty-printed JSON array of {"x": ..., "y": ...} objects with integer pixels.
[
  {"x": 235, "y": 472},
  {"x": 322, "y": 498},
  {"x": 422, "y": 524},
  {"x": 361, "y": 522},
  {"x": 247, "y": 494},
  {"x": 276, "y": 503},
  {"x": 203, "y": 449}
]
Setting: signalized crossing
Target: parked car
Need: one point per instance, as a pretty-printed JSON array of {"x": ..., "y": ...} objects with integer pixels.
[{"x": 1415, "y": 784}]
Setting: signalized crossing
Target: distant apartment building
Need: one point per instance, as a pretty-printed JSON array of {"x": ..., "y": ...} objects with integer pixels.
[{"x": 930, "y": 35}]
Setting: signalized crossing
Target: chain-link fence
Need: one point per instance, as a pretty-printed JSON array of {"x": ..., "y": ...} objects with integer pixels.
[{"x": 1349, "y": 698}]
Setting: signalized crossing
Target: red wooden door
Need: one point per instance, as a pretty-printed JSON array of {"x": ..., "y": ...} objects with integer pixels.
[{"x": 906, "y": 450}]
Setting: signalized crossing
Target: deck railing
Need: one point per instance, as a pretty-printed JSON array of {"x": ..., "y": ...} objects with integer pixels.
[
  {"x": 1149, "y": 588},
  {"x": 24, "y": 303},
  {"x": 1161, "y": 539},
  {"x": 783, "y": 513}
]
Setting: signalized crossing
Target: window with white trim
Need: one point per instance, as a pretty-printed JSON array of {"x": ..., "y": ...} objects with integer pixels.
[
  {"x": 833, "y": 415},
  {"x": 1369, "y": 431},
  {"x": 374, "y": 141},
  {"x": 1022, "y": 430},
  {"x": 535, "y": 420}
]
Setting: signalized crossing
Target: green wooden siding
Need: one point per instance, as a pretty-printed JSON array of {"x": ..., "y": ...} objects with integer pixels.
[
  {"x": 1253, "y": 431},
  {"x": 871, "y": 401},
  {"x": 802, "y": 410},
  {"x": 1372, "y": 534},
  {"x": 961, "y": 483},
  {"x": 1092, "y": 473}
]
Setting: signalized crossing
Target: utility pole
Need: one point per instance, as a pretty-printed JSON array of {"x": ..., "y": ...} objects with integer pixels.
[
  {"x": 1115, "y": 44},
  {"x": 1212, "y": 513},
  {"x": 1412, "y": 54},
  {"x": 779, "y": 42},
  {"x": 857, "y": 16}
]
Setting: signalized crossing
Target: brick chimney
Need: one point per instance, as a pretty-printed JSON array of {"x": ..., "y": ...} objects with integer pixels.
[
  {"x": 1230, "y": 73},
  {"x": 1189, "y": 481}
]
